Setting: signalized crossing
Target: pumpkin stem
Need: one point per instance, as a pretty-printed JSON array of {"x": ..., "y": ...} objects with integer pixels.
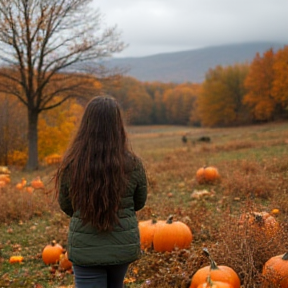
[
  {"x": 259, "y": 219},
  {"x": 285, "y": 256},
  {"x": 154, "y": 218},
  {"x": 209, "y": 281},
  {"x": 170, "y": 219},
  {"x": 53, "y": 242},
  {"x": 213, "y": 265}
]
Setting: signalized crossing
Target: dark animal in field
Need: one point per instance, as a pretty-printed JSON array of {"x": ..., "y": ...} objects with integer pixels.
[
  {"x": 204, "y": 139},
  {"x": 184, "y": 139}
]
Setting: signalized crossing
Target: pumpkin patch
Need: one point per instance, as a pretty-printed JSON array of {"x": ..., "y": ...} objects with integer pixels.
[{"x": 212, "y": 211}]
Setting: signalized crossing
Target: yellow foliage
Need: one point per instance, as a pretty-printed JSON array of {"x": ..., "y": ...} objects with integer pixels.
[
  {"x": 53, "y": 159},
  {"x": 55, "y": 128},
  {"x": 17, "y": 158}
]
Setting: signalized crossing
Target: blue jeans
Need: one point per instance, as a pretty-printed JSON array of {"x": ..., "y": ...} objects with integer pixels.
[{"x": 111, "y": 276}]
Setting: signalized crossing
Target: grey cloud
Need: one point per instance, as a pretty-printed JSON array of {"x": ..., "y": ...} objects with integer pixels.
[{"x": 156, "y": 26}]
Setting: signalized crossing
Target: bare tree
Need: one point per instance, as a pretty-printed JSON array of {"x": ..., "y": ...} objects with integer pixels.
[{"x": 39, "y": 41}]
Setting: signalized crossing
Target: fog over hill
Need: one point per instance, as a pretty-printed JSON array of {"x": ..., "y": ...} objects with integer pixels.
[{"x": 189, "y": 66}]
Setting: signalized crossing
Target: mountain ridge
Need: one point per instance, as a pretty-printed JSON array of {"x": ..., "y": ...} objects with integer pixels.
[{"x": 189, "y": 65}]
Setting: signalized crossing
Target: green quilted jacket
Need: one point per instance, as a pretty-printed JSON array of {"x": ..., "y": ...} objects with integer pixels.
[{"x": 87, "y": 246}]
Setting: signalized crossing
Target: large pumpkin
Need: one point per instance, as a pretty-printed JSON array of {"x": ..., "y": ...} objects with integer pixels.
[
  {"x": 171, "y": 234},
  {"x": 207, "y": 175},
  {"x": 217, "y": 273},
  {"x": 275, "y": 271},
  {"x": 52, "y": 252},
  {"x": 147, "y": 229},
  {"x": 262, "y": 223}
]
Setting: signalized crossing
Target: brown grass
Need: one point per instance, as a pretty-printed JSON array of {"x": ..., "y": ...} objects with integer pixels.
[{"x": 253, "y": 164}]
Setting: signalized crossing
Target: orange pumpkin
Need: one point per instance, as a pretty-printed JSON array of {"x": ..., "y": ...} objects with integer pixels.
[
  {"x": 5, "y": 178},
  {"x": 147, "y": 229},
  {"x": 29, "y": 189},
  {"x": 220, "y": 273},
  {"x": 52, "y": 252},
  {"x": 2, "y": 184},
  {"x": 171, "y": 234},
  {"x": 16, "y": 259},
  {"x": 21, "y": 184},
  {"x": 275, "y": 211},
  {"x": 275, "y": 271},
  {"x": 207, "y": 175},
  {"x": 37, "y": 183},
  {"x": 262, "y": 223},
  {"x": 64, "y": 262}
]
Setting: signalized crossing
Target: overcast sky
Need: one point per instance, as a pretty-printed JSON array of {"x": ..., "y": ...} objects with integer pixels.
[{"x": 160, "y": 26}]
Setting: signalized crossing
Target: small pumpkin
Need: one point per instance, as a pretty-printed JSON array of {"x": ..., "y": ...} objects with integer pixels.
[
  {"x": 207, "y": 175},
  {"x": 5, "y": 178},
  {"x": 16, "y": 259},
  {"x": 147, "y": 229},
  {"x": 37, "y": 183},
  {"x": 29, "y": 189},
  {"x": 52, "y": 252},
  {"x": 221, "y": 273},
  {"x": 262, "y": 223},
  {"x": 171, "y": 234},
  {"x": 275, "y": 271},
  {"x": 64, "y": 262},
  {"x": 275, "y": 211},
  {"x": 21, "y": 184}
]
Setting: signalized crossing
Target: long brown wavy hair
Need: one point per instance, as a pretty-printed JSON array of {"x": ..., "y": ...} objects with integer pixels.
[{"x": 96, "y": 164}]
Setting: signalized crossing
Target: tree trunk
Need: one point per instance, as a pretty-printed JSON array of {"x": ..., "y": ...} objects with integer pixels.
[{"x": 32, "y": 163}]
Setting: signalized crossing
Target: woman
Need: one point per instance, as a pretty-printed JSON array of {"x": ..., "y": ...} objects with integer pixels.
[{"x": 100, "y": 183}]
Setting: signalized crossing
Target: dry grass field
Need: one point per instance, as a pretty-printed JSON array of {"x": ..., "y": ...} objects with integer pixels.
[{"x": 253, "y": 165}]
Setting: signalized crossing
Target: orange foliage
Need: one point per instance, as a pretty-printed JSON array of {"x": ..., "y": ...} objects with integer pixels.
[
  {"x": 259, "y": 85},
  {"x": 180, "y": 103},
  {"x": 280, "y": 84},
  {"x": 220, "y": 100}
]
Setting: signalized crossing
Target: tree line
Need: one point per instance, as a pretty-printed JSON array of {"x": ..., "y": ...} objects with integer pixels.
[{"x": 240, "y": 94}]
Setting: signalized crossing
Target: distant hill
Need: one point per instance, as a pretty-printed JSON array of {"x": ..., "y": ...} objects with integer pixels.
[{"x": 189, "y": 66}]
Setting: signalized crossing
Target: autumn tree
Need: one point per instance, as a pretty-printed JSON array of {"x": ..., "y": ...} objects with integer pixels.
[
  {"x": 12, "y": 128},
  {"x": 135, "y": 101},
  {"x": 39, "y": 41},
  {"x": 220, "y": 99},
  {"x": 156, "y": 91},
  {"x": 179, "y": 102},
  {"x": 280, "y": 83},
  {"x": 259, "y": 84}
]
